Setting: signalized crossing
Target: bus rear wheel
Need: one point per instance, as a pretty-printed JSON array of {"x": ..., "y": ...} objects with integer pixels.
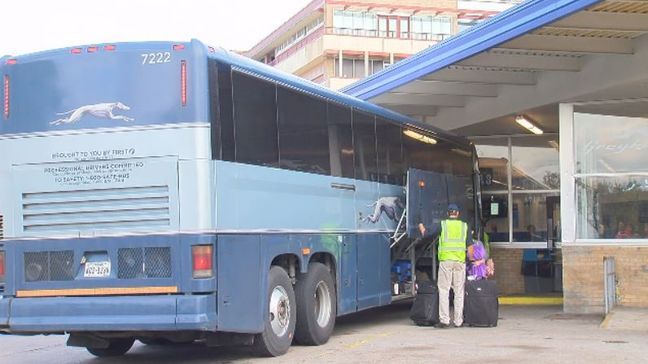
[
  {"x": 116, "y": 347},
  {"x": 279, "y": 326},
  {"x": 316, "y": 305}
]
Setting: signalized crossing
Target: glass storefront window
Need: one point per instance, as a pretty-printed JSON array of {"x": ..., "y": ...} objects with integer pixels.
[
  {"x": 611, "y": 176},
  {"x": 610, "y": 144},
  {"x": 614, "y": 207},
  {"x": 493, "y": 163},
  {"x": 517, "y": 212},
  {"x": 535, "y": 163},
  {"x": 530, "y": 217},
  {"x": 495, "y": 213}
]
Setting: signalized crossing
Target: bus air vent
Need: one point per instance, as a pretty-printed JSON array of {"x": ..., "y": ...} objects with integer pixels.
[
  {"x": 49, "y": 266},
  {"x": 150, "y": 262},
  {"x": 129, "y": 208},
  {"x": 1, "y": 227}
]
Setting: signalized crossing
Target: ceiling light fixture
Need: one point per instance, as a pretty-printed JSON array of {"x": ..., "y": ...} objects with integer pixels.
[{"x": 528, "y": 124}]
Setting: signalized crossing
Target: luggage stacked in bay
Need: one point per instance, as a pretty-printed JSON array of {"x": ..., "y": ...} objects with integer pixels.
[
  {"x": 425, "y": 309},
  {"x": 481, "y": 306}
]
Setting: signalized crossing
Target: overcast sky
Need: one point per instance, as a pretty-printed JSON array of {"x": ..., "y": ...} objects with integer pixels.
[{"x": 34, "y": 25}]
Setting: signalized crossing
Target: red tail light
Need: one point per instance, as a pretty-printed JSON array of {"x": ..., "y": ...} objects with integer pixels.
[
  {"x": 110, "y": 47},
  {"x": 76, "y": 50},
  {"x": 92, "y": 49},
  {"x": 202, "y": 258},
  {"x": 183, "y": 82},
  {"x": 178, "y": 47},
  {"x": 2, "y": 266},
  {"x": 11, "y": 61},
  {"x": 6, "y": 96}
]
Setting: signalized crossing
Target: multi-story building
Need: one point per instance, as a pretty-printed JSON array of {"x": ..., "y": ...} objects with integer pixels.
[{"x": 337, "y": 42}]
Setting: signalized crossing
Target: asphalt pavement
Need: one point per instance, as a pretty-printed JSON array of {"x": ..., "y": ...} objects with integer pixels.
[{"x": 524, "y": 334}]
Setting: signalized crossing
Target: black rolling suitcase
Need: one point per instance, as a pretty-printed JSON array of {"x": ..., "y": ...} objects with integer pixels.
[
  {"x": 481, "y": 306},
  {"x": 425, "y": 309}
]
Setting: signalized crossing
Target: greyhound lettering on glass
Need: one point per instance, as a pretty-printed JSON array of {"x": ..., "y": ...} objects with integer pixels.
[
  {"x": 104, "y": 111},
  {"x": 388, "y": 205}
]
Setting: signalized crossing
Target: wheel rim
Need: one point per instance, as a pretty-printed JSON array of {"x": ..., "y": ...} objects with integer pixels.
[
  {"x": 279, "y": 311},
  {"x": 322, "y": 304}
]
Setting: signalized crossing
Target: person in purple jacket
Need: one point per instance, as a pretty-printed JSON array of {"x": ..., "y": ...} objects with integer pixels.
[{"x": 478, "y": 258}]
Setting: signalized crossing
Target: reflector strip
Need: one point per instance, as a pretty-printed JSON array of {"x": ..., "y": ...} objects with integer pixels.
[
  {"x": 2, "y": 267},
  {"x": 108, "y": 291},
  {"x": 6, "y": 97},
  {"x": 183, "y": 82}
]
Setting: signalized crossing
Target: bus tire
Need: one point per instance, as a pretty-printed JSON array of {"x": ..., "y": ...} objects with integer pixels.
[
  {"x": 279, "y": 326},
  {"x": 116, "y": 347},
  {"x": 316, "y": 305}
]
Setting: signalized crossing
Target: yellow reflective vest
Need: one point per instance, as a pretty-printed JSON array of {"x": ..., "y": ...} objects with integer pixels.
[{"x": 452, "y": 242}]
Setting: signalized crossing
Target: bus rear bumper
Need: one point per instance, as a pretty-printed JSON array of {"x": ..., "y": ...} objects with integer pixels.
[{"x": 112, "y": 313}]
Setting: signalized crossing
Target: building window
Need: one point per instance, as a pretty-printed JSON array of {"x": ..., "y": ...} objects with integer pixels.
[
  {"x": 377, "y": 65},
  {"x": 355, "y": 68},
  {"x": 297, "y": 36},
  {"x": 520, "y": 181},
  {"x": 611, "y": 177},
  {"x": 493, "y": 163},
  {"x": 368, "y": 24},
  {"x": 351, "y": 68},
  {"x": 534, "y": 163},
  {"x": 355, "y": 23},
  {"x": 404, "y": 28},
  {"x": 431, "y": 27}
]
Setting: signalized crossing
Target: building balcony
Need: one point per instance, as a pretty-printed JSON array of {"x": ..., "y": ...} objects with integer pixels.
[{"x": 330, "y": 40}]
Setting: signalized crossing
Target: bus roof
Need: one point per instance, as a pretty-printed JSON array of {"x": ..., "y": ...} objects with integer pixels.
[
  {"x": 258, "y": 68},
  {"x": 119, "y": 46}
]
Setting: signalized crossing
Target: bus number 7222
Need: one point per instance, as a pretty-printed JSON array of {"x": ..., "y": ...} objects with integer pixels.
[{"x": 156, "y": 58}]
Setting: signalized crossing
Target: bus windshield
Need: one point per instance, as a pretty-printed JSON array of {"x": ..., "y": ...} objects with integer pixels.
[{"x": 96, "y": 87}]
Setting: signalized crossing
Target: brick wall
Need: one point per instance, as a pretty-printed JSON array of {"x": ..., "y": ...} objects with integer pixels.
[
  {"x": 583, "y": 277},
  {"x": 508, "y": 270}
]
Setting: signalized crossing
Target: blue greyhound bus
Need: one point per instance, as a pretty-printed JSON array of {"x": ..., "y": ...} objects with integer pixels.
[{"x": 172, "y": 192}]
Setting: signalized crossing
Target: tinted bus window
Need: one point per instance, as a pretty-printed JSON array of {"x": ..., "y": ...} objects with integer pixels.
[
  {"x": 364, "y": 143},
  {"x": 417, "y": 153},
  {"x": 340, "y": 140},
  {"x": 220, "y": 105},
  {"x": 441, "y": 157},
  {"x": 255, "y": 121},
  {"x": 390, "y": 158},
  {"x": 303, "y": 132}
]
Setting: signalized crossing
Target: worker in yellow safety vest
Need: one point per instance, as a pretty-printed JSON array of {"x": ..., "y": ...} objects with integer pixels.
[{"x": 452, "y": 266}]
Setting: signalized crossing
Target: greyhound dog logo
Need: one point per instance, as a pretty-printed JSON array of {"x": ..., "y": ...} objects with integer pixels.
[
  {"x": 388, "y": 205},
  {"x": 104, "y": 111}
]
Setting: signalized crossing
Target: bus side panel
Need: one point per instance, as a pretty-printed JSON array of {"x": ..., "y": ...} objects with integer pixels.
[
  {"x": 348, "y": 281},
  {"x": 252, "y": 197},
  {"x": 373, "y": 274},
  {"x": 241, "y": 283}
]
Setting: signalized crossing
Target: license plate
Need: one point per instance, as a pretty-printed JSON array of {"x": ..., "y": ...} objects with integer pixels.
[{"x": 96, "y": 269}]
